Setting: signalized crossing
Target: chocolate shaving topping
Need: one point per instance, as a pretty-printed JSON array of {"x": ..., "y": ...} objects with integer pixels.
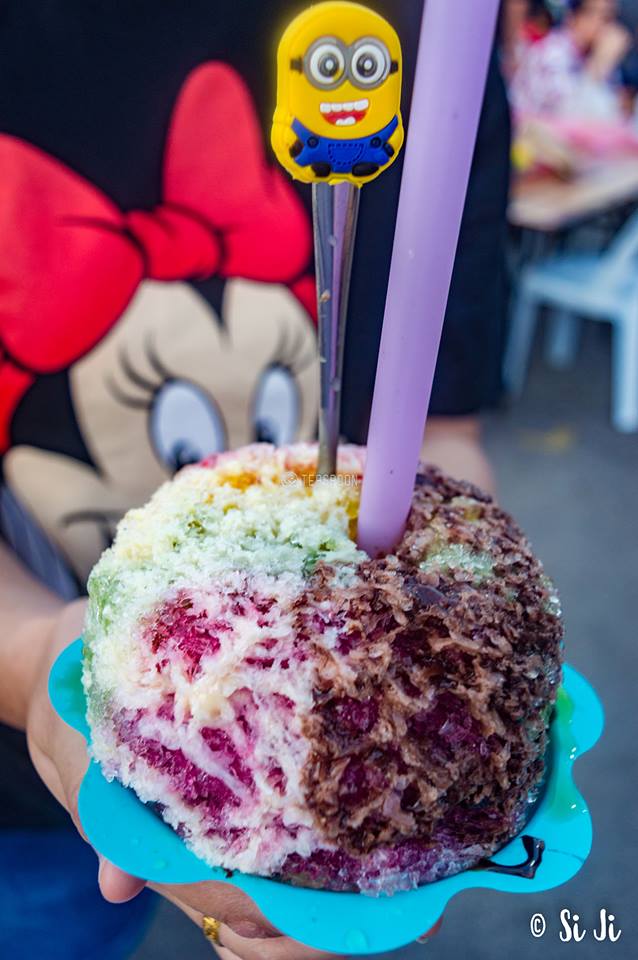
[
  {"x": 425, "y": 595},
  {"x": 431, "y": 708}
]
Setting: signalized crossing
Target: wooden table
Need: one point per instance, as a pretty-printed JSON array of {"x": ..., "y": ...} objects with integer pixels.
[{"x": 548, "y": 205}]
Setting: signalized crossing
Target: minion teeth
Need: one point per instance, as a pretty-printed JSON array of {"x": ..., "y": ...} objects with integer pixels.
[
  {"x": 360, "y": 106},
  {"x": 343, "y": 114},
  {"x": 296, "y": 710}
]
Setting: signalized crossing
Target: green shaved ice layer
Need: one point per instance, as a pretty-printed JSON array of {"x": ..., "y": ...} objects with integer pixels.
[
  {"x": 455, "y": 556},
  {"x": 197, "y": 528},
  {"x": 99, "y": 702}
]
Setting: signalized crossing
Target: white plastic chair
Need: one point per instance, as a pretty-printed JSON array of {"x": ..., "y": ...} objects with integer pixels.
[{"x": 600, "y": 286}]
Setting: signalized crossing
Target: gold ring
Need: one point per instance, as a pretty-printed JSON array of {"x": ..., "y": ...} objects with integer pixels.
[{"x": 210, "y": 928}]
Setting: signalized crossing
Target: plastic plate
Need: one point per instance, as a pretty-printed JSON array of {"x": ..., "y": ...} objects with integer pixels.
[{"x": 129, "y": 834}]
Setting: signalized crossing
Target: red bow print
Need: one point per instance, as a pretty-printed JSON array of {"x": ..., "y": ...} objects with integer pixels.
[{"x": 70, "y": 260}]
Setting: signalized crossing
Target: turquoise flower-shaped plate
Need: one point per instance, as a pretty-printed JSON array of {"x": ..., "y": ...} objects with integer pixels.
[{"x": 129, "y": 834}]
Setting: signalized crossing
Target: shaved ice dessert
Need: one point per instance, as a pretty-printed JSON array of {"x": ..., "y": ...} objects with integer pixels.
[{"x": 297, "y": 710}]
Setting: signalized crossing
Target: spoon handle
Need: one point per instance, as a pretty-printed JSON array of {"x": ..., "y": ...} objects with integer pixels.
[{"x": 335, "y": 209}]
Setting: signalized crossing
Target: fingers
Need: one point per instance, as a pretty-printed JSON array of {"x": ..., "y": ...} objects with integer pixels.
[
  {"x": 431, "y": 932},
  {"x": 115, "y": 885},
  {"x": 192, "y": 914},
  {"x": 60, "y": 755},
  {"x": 62, "y": 768},
  {"x": 225, "y": 954},
  {"x": 270, "y": 948},
  {"x": 220, "y": 900},
  {"x": 67, "y": 750},
  {"x": 58, "y": 752},
  {"x": 245, "y": 934}
]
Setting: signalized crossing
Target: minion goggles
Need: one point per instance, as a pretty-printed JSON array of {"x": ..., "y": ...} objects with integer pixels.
[{"x": 328, "y": 62}]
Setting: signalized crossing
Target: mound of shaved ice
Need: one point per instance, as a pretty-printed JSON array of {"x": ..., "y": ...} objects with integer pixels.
[{"x": 298, "y": 710}]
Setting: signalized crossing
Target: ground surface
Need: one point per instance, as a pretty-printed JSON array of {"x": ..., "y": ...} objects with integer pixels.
[{"x": 573, "y": 484}]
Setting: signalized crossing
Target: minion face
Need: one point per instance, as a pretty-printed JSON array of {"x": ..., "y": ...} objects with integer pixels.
[{"x": 338, "y": 94}]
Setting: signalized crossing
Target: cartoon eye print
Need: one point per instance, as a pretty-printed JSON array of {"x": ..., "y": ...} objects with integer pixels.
[
  {"x": 369, "y": 63},
  {"x": 277, "y": 406},
  {"x": 184, "y": 424},
  {"x": 179, "y": 377},
  {"x": 325, "y": 62}
]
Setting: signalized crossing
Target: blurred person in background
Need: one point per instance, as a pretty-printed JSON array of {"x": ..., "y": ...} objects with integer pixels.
[
  {"x": 523, "y": 23},
  {"x": 156, "y": 295},
  {"x": 538, "y": 21},
  {"x": 574, "y": 72}
]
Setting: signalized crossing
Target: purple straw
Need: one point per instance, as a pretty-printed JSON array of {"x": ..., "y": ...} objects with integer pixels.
[{"x": 454, "y": 52}]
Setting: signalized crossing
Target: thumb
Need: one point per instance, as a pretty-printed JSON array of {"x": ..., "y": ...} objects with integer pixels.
[{"x": 59, "y": 753}]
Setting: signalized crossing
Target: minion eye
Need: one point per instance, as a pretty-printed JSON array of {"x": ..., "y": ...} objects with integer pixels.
[
  {"x": 325, "y": 63},
  {"x": 370, "y": 63}
]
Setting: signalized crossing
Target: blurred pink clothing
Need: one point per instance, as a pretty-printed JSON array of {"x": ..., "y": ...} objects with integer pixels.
[{"x": 551, "y": 80}]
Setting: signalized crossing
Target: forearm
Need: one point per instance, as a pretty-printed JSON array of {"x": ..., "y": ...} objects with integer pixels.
[
  {"x": 598, "y": 70},
  {"x": 27, "y": 610},
  {"x": 610, "y": 49}
]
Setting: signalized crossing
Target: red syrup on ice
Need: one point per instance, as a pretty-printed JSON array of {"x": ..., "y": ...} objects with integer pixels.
[
  {"x": 359, "y": 781},
  {"x": 178, "y": 627},
  {"x": 420, "y": 860},
  {"x": 276, "y": 778},
  {"x": 220, "y": 743},
  {"x": 352, "y": 717},
  {"x": 447, "y": 728},
  {"x": 195, "y": 787}
]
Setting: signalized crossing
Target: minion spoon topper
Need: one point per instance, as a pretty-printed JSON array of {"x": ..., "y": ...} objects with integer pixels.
[{"x": 337, "y": 125}]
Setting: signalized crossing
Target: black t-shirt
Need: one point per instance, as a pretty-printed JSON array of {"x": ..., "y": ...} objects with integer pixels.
[{"x": 164, "y": 330}]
